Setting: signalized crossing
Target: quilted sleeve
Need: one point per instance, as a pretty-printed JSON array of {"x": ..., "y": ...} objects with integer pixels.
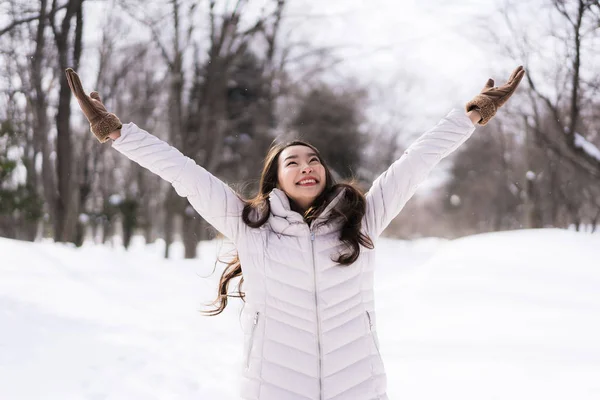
[
  {"x": 211, "y": 198},
  {"x": 392, "y": 189}
]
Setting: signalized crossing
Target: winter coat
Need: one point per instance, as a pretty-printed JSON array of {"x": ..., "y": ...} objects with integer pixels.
[{"x": 309, "y": 324}]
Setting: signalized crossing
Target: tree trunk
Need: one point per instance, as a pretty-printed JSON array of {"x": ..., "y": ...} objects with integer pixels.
[
  {"x": 169, "y": 222},
  {"x": 190, "y": 230},
  {"x": 66, "y": 204},
  {"x": 106, "y": 230},
  {"x": 41, "y": 125}
]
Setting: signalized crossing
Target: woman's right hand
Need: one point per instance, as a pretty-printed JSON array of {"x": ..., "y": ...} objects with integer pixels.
[
  {"x": 115, "y": 135},
  {"x": 103, "y": 124}
]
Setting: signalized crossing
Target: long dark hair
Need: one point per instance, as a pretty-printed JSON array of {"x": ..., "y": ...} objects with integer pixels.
[{"x": 350, "y": 210}]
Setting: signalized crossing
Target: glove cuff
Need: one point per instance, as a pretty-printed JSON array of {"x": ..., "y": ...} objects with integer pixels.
[
  {"x": 107, "y": 124},
  {"x": 485, "y": 105}
]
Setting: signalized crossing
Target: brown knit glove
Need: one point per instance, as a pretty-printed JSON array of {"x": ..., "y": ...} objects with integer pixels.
[
  {"x": 101, "y": 121},
  {"x": 491, "y": 98}
]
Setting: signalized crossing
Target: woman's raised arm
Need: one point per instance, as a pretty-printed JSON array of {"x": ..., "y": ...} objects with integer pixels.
[
  {"x": 392, "y": 189},
  {"x": 211, "y": 198}
]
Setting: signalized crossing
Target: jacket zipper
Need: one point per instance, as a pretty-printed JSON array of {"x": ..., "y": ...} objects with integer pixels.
[
  {"x": 312, "y": 244},
  {"x": 251, "y": 340},
  {"x": 372, "y": 333}
]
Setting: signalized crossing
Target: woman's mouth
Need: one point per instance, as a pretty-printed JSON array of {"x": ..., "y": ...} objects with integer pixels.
[{"x": 307, "y": 182}]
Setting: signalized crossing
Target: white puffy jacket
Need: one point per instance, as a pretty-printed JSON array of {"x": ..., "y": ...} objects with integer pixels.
[{"x": 309, "y": 324}]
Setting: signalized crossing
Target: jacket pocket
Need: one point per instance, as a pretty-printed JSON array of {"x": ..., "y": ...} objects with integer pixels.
[
  {"x": 251, "y": 342},
  {"x": 373, "y": 333}
]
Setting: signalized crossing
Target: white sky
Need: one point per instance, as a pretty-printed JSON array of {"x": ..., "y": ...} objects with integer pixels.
[
  {"x": 434, "y": 41},
  {"x": 419, "y": 58}
]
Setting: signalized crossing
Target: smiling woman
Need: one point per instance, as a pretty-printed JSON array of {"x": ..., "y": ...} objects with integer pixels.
[
  {"x": 304, "y": 249},
  {"x": 301, "y": 175}
]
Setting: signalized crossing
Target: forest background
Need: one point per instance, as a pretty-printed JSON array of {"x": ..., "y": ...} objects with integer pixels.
[{"x": 221, "y": 80}]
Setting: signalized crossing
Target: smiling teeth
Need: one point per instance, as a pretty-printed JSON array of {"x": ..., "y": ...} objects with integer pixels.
[{"x": 307, "y": 181}]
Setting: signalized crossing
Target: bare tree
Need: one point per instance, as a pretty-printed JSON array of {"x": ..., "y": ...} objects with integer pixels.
[
  {"x": 559, "y": 117},
  {"x": 69, "y": 47},
  {"x": 40, "y": 105},
  {"x": 574, "y": 30},
  {"x": 331, "y": 120},
  {"x": 485, "y": 186},
  {"x": 26, "y": 57},
  {"x": 202, "y": 126},
  {"x": 582, "y": 18}
]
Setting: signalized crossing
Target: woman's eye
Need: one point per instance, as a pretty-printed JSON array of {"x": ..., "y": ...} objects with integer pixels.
[{"x": 294, "y": 162}]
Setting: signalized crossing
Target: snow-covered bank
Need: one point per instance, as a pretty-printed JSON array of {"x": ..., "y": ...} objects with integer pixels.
[{"x": 495, "y": 316}]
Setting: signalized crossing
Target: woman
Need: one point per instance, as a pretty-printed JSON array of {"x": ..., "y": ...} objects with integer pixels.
[{"x": 305, "y": 246}]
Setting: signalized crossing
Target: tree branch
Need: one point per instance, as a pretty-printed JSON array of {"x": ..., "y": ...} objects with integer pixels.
[
  {"x": 564, "y": 155},
  {"x": 16, "y": 23}
]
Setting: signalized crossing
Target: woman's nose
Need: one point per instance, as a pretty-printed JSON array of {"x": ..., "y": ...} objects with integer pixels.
[{"x": 307, "y": 169}]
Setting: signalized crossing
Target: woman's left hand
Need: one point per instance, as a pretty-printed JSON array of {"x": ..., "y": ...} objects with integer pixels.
[
  {"x": 102, "y": 123},
  {"x": 492, "y": 97}
]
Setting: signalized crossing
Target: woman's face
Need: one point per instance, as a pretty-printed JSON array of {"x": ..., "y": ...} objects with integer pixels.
[{"x": 300, "y": 175}]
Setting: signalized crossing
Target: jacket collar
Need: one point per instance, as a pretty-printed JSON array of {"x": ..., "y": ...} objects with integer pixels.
[{"x": 282, "y": 216}]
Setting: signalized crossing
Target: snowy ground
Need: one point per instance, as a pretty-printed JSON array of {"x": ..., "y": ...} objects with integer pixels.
[{"x": 512, "y": 315}]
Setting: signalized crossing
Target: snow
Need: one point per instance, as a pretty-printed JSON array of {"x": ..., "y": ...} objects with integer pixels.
[
  {"x": 509, "y": 315},
  {"x": 530, "y": 175},
  {"x": 115, "y": 199},
  {"x": 455, "y": 200},
  {"x": 587, "y": 147},
  {"x": 84, "y": 218}
]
